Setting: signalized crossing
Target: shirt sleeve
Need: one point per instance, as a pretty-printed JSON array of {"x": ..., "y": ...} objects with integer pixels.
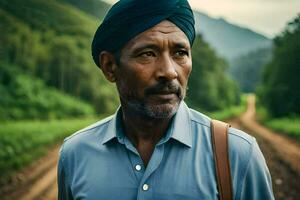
[
  {"x": 257, "y": 183},
  {"x": 64, "y": 192}
]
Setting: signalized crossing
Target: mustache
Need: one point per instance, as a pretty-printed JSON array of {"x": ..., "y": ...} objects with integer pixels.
[{"x": 164, "y": 88}]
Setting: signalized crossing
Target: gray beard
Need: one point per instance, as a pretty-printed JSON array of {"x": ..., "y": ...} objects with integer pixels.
[{"x": 154, "y": 111}]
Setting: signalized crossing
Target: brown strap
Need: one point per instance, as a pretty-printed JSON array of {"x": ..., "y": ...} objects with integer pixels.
[{"x": 219, "y": 134}]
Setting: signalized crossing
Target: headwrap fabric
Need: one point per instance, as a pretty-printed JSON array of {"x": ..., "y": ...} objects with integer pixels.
[{"x": 128, "y": 18}]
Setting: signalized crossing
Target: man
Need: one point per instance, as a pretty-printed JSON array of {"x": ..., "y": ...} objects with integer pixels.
[{"x": 154, "y": 147}]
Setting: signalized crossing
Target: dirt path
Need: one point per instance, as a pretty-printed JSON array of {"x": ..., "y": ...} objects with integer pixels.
[
  {"x": 281, "y": 153},
  {"x": 38, "y": 182},
  {"x": 287, "y": 148}
]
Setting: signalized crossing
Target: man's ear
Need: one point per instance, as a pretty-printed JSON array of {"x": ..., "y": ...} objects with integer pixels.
[{"x": 108, "y": 65}]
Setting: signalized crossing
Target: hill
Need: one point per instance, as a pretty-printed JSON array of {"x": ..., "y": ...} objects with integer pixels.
[
  {"x": 51, "y": 40},
  {"x": 247, "y": 69},
  {"x": 96, "y": 8},
  {"x": 229, "y": 40}
]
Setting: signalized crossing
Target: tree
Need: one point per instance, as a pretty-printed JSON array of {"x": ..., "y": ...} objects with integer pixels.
[
  {"x": 209, "y": 87},
  {"x": 247, "y": 70},
  {"x": 280, "y": 89}
]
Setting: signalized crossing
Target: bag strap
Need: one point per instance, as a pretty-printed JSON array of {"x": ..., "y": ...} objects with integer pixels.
[{"x": 219, "y": 134}]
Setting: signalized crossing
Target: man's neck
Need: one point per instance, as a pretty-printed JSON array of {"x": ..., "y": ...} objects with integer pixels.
[
  {"x": 141, "y": 129},
  {"x": 144, "y": 132}
]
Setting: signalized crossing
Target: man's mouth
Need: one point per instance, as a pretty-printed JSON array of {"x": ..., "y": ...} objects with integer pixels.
[{"x": 164, "y": 96}]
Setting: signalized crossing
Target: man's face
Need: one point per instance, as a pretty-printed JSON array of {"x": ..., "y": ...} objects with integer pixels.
[{"x": 153, "y": 72}]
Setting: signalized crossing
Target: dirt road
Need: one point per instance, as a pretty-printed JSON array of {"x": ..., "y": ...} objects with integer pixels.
[
  {"x": 281, "y": 153},
  {"x": 38, "y": 182}
]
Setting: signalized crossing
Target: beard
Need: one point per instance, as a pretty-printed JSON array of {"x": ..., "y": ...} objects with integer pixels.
[{"x": 159, "y": 109}]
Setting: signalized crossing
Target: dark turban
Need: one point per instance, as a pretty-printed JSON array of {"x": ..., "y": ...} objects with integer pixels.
[{"x": 128, "y": 18}]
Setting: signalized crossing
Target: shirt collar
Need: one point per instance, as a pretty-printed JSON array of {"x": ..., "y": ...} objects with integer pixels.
[
  {"x": 180, "y": 129},
  {"x": 114, "y": 128}
]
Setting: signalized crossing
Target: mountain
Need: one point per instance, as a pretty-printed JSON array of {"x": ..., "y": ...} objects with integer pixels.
[
  {"x": 247, "y": 70},
  {"x": 229, "y": 40},
  {"x": 95, "y": 8}
]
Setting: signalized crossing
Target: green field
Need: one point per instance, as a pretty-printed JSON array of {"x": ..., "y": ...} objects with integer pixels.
[
  {"x": 230, "y": 112},
  {"x": 22, "y": 142},
  {"x": 286, "y": 125}
]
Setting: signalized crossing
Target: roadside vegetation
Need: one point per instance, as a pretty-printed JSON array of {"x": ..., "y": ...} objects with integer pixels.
[
  {"x": 279, "y": 93},
  {"x": 230, "y": 112},
  {"x": 289, "y": 125}
]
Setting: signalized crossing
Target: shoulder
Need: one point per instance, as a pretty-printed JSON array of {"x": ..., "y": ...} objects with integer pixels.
[
  {"x": 247, "y": 163},
  {"x": 199, "y": 118},
  {"x": 86, "y": 136},
  {"x": 89, "y": 129},
  {"x": 241, "y": 148},
  {"x": 240, "y": 142}
]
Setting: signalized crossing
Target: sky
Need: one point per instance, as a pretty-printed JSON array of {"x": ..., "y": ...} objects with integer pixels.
[{"x": 267, "y": 17}]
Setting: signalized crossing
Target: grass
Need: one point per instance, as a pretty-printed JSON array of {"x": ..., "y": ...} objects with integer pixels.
[
  {"x": 230, "y": 112},
  {"x": 23, "y": 142},
  {"x": 286, "y": 125}
]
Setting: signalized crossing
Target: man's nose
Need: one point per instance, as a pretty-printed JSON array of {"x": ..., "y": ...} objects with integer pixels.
[{"x": 166, "y": 68}]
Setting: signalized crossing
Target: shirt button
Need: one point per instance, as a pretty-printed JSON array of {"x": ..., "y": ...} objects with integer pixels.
[
  {"x": 145, "y": 187},
  {"x": 138, "y": 167}
]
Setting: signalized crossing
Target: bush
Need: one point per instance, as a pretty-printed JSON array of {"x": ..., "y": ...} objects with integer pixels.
[{"x": 26, "y": 97}]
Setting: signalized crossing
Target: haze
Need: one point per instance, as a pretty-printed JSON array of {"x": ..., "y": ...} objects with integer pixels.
[{"x": 267, "y": 17}]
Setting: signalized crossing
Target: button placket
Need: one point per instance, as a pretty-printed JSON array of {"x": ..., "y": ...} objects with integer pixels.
[
  {"x": 137, "y": 167},
  {"x": 145, "y": 191}
]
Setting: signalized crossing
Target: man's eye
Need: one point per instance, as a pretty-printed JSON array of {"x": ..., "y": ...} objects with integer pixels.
[
  {"x": 147, "y": 54},
  {"x": 181, "y": 53}
]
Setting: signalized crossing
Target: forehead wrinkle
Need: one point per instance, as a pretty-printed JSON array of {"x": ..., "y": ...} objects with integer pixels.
[
  {"x": 166, "y": 32},
  {"x": 165, "y": 28}
]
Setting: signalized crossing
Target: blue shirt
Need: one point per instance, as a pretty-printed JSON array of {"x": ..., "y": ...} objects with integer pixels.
[{"x": 99, "y": 162}]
